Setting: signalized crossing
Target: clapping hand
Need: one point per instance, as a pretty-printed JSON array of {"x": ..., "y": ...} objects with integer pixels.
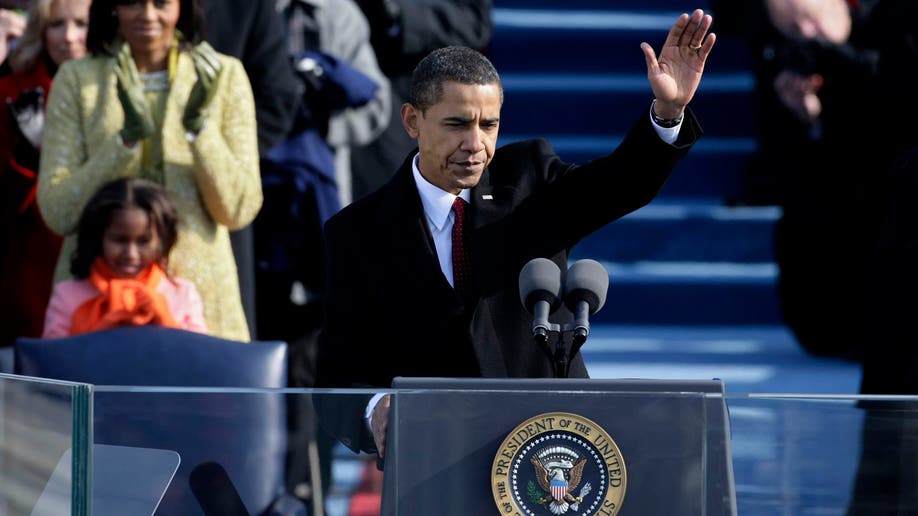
[
  {"x": 674, "y": 75},
  {"x": 207, "y": 66},
  {"x": 800, "y": 94},
  {"x": 138, "y": 124},
  {"x": 12, "y": 26}
]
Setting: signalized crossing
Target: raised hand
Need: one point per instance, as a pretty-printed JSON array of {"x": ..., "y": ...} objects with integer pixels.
[
  {"x": 208, "y": 67},
  {"x": 138, "y": 124},
  {"x": 674, "y": 75}
]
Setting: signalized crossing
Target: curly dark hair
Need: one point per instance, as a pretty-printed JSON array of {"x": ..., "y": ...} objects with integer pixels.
[
  {"x": 118, "y": 195},
  {"x": 103, "y": 24},
  {"x": 450, "y": 64}
]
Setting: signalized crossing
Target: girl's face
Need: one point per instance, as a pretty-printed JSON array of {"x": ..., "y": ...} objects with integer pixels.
[
  {"x": 130, "y": 243},
  {"x": 65, "y": 34},
  {"x": 148, "y": 25}
]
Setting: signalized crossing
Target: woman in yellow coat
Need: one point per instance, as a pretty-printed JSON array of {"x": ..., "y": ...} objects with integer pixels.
[{"x": 154, "y": 101}]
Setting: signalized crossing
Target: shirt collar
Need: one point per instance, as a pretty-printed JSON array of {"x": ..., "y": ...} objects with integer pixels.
[{"x": 438, "y": 204}]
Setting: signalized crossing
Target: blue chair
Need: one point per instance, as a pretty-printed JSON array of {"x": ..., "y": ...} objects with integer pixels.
[
  {"x": 6, "y": 360},
  {"x": 232, "y": 445}
]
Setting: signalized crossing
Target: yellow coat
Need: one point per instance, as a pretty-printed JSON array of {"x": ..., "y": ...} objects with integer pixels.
[{"x": 215, "y": 179}]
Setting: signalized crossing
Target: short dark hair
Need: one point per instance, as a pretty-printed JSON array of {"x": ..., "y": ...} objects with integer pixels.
[
  {"x": 450, "y": 64},
  {"x": 118, "y": 195},
  {"x": 103, "y": 24}
]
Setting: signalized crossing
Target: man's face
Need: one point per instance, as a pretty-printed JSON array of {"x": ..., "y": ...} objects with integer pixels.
[
  {"x": 825, "y": 20},
  {"x": 457, "y": 135}
]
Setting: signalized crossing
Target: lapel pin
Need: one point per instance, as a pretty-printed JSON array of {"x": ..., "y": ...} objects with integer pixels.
[{"x": 487, "y": 197}]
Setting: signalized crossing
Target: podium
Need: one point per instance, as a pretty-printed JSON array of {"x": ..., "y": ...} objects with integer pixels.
[{"x": 478, "y": 446}]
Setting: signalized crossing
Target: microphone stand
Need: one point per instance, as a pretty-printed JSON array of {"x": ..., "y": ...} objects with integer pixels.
[
  {"x": 577, "y": 342},
  {"x": 560, "y": 359},
  {"x": 562, "y": 364}
]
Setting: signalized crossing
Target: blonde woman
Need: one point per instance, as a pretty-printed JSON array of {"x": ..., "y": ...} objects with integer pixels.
[{"x": 55, "y": 33}]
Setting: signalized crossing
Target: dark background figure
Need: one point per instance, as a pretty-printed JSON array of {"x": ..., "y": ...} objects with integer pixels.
[
  {"x": 402, "y": 33},
  {"x": 847, "y": 243},
  {"x": 887, "y": 476},
  {"x": 891, "y": 360},
  {"x": 253, "y": 32},
  {"x": 345, "y": 102},
  {"x": 829, "y": 127},
  {"x": 780, "y": 131},
  {"x": 307, "y": 178}
]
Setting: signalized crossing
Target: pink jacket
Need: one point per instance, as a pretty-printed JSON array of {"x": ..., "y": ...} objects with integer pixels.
[{"x": 181, "y": 296}]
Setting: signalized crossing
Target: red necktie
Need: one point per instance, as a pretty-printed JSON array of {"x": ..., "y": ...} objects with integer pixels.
[{"x": 462, "y": 268}]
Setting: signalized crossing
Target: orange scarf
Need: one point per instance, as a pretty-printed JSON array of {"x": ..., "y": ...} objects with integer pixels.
[{"x": 122, "y": 301}]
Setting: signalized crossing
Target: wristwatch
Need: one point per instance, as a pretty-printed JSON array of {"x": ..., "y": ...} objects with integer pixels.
[{"x": 664, "y": 122}]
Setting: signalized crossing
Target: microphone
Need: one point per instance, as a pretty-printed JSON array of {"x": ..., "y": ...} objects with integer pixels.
[
  {"x": 215, "y": 492},
  {"x": 584, "y": 294},
  {"x": 540, "y": 290}
]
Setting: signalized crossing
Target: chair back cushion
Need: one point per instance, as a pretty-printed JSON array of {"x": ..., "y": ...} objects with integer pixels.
[
  {"x": 245, "y": 433},
  {"x": 152, "y": 355}
]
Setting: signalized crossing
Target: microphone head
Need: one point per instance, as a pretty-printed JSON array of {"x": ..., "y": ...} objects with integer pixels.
[
  {"x": 587, "y": 280},
  {"x": 540, "y": 280}
]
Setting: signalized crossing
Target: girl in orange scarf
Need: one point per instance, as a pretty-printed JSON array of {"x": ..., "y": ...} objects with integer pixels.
[{"x": 124, "y": 237}]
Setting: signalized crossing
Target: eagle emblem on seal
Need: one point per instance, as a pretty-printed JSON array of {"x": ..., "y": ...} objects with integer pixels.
[
  {"x": 558, "y": 471},
  {"x": 561, "y": 464}
]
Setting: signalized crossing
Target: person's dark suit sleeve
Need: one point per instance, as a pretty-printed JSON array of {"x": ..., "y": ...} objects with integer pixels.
[
  {"x": 341, "y": 338},
  {"x": 603, "y": 190},
  {"x": 889, "y": 363},
  {"x": 277, "y": 89}
]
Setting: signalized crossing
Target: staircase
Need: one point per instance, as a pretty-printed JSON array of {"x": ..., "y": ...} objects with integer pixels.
[{"x": 576, "y": 75}]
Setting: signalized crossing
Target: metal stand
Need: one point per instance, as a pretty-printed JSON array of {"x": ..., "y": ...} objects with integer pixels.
[{"x": 559, "y": 355}]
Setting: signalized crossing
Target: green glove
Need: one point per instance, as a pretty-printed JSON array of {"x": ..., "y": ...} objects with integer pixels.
[
  {"x": 208, "y": 67},
  {"x": 138, "y": 124}
]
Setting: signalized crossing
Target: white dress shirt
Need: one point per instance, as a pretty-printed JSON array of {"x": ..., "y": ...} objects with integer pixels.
[{"x": 438, "y": 209}]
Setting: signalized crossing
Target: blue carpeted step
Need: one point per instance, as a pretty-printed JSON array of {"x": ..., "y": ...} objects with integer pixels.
[
  {"x": 599, "y": 41},
  {"x": 572, "y": 104},
  {"x": 691, "y": 293},
  {"x": 630, "y": 5},
  {"x": 756, "y": 358},
  {"x": 713, "y": 169},
  {"x": 575, "y": 75},
  {"x": 678, "y": 232}
]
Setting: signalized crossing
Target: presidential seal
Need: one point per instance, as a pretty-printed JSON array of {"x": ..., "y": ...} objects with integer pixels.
[{"x": 558, "y": 463}]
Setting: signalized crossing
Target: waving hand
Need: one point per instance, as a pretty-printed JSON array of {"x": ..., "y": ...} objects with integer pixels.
[{"x": 674, "y": 74}]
